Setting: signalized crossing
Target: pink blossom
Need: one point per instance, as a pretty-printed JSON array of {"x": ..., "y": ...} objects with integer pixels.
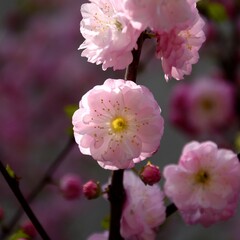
[
  {"x": 178, "y": 49},
  {"x": 109, "y": 36},
  {"x": 99, "y": 236},
  {"x": 205, "y": 184},
  {"x": 118, "y": 124},
  {"x": 150, "y": 174},
  {"x": 205, "y": 106},
  {"x": 70, "y": 186},
  {"x": 162, "y": 15},
  {"x": 210, "y": 104},
  {"x": 144, "y": 209}
]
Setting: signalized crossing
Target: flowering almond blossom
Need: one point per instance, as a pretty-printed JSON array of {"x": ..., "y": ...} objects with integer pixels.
[
  {"x": 178, "y": 49},
  {"x": 118, "y": 123},
  {"x": 205, "y": 184},
  {"x": 206, "y": 106},
  {"x": 144, "y": 210},
  {"x": 109, "y": 36},
  {"x": 159, "y": 15}
]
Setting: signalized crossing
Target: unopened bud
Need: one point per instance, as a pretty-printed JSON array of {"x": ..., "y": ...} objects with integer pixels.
[
  {"x": 91, "y": 189},
  {"x": 71, "y": 186},
  {"x": 28, "y": 228},
  {"x": 150, "y": 174}
]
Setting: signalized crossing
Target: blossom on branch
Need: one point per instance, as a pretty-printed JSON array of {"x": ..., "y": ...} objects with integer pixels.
[
  {"x": 109, "y": 36},
  {"x": 205, "y": 184},
  {"x": 159, "y": 15},
  {"x": 144, "y": 210},
  {"x": 118, "y": 124},
  {"x": 178, "y": 49}
]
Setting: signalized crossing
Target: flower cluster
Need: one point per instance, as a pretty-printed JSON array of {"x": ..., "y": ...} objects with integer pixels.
[
  {"x": 205, "y": 184},
  {"x": 118, "y": 124},
  {"x": 143, "y": 211},
  {"x": 111, "y": 29}
]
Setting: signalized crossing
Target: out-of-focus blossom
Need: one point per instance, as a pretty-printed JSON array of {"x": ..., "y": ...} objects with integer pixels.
[
  {"x": 162, "y": 15},
  {"x": 109, "y": 36},
  {"x": 206, "y": 106},
  {"x": 150, "y": 174},
  {"x": 28, "y": 228},
  {"x": 178, "y": 49},
  {"x": 143, "y": 211},
  {"x": 99, "y": 236},
  {"x": 118, "y": 124},
  {"x": 205, "y": 184},
  {"x": 91, "y": 189},
  {"x": 70, "y": 186}
]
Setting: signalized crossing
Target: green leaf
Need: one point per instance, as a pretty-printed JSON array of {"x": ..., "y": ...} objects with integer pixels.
[
  {"x": 70, "y": 109},
  {"x": 10, "y": 171},
  {"x": 106, "y": 222},
  {"x": 18, "y": 234}
]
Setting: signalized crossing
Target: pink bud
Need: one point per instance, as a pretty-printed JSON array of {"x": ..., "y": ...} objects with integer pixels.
[
  {"x": 150, "y": 174},
  {"x": 91, "y": 189},
  {"x": 70, "y": 186},
  {"x": 29, "y": 229}
]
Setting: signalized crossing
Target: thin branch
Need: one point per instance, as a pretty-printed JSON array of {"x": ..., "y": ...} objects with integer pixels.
[
  {"x": 116, "y": 194},
  {"x": 170, "y": 210},
  {"x": 116, "y": 197},
  {"x": 45, "y": 179},
  {"x": 13, "y": 184}
]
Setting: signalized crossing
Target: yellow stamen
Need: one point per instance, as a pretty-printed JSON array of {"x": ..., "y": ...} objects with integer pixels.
[{"x": 119, "y": 124}]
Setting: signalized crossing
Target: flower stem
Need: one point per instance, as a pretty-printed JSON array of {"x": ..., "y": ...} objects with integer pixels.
[
  {"x": 131, "y": 71},
  {"x": 116, "y": 196},
  {"x": 116, "y": 193},
  {"x": 13, "y": 184},
  {"x": 45, "y": 179},
  {"x": 171, "y": 209}
]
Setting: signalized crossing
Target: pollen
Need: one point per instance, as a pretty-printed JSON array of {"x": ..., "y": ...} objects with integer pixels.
[
  {"x": 119, "y": 124},
  {"x": 202, "y": 177}
]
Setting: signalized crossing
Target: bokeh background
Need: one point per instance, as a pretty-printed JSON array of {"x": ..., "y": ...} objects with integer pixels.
[{"x": 42, "y": 76}]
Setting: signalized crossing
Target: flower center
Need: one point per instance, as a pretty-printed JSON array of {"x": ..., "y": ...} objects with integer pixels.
[
  {"x": 207, "y": 104},
  {"x": 202, "y": 177},
  {"x": 119, "y": 124}
]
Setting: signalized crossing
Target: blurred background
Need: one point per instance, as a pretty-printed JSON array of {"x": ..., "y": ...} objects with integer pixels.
[{"x": 43, "y": 77}]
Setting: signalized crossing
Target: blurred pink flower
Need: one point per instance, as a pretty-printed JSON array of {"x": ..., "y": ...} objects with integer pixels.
[
  {"x": 162, "y": 15},
  {"x": 210, "y": 104},
  {"x": 205, "y": 184},
  {"x": 109, "y": 36},
  {"x": 144, "y": 209},
  {"x": 70, "y": 186},
  {"x": 178, "y": 48},
  {"x": 205, "y": 106},
  {"x": 28, "y": 228},
  {"x": 99, "y": 236},
  {"x": 118, "y": 124}
]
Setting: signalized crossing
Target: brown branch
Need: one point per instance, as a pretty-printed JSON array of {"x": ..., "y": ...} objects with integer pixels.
[
  {"x": 116, "y": 193},
  {"x": 45, "y": 179},
  {"x": 14, "y": 186}
]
